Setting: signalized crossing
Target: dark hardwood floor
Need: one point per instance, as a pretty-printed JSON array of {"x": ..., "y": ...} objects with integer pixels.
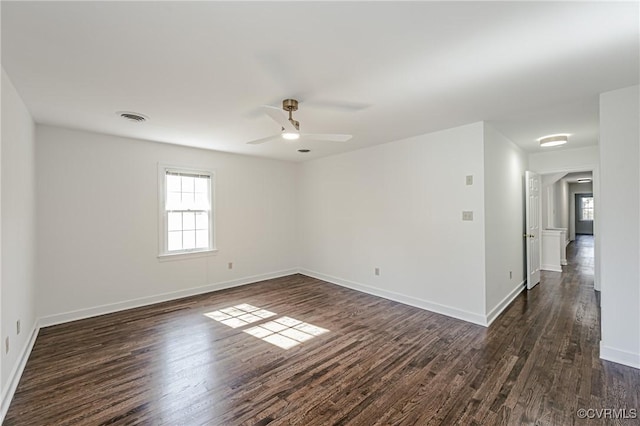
[{"x": 376, "y": 362}]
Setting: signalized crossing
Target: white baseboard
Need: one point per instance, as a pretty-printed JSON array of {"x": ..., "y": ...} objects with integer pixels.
[
  {"x": 401, "y": 298},
  {"x": 619, "y": 356},
  {"x": 495, "y": 312},
  {"x": 552, "y": 268},
  {"x": 164, "y": 297},
  {"x": 16, "y": 372}
]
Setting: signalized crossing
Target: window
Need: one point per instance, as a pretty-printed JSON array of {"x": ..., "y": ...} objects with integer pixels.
[
  {"x": 586, "y": 208},
  {"x": 186, "y": 211}
]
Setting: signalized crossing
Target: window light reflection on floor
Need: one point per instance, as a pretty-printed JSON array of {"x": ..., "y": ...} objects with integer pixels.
[
  {"x": 239, "y": 315},
  {"x": 284, "y": 332}
]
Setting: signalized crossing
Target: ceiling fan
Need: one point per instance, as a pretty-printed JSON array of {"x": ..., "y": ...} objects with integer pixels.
[{"x": 291, "y": 128}]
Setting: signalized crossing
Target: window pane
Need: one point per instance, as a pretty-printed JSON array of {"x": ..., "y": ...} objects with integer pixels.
[
  {"x": 187, "y": 201},
  {"x": 201, "y": 185},
  {"x": 173, "y": 183},
  {"x": 188, "y": 221},
  {"x": 175, "y": 221},
  {"x": 187, "y": 184},
  {"x": 202, "y": 220},
  {"x": 188, "y": 240},
  {"x": 201, "y": 201},
  {"x": 174, "y": 241},
  {"x": 173, "y": 201},
  {"x": 202, "y": 239}
]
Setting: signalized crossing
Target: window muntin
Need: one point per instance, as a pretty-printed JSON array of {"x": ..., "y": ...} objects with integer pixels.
[{"x": 186, "y": 209}]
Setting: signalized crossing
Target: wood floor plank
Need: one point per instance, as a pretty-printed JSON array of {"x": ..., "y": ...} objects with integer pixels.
[{"x": 380, "y": 362}]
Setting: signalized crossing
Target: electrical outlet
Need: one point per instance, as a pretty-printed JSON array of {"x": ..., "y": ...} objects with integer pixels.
[
  {"x": 230, "y": 266},
  {"x": 510, "y": 275},
  {"x": 377, "y": 271},
  {"x": 6, "y": 345},
  {"x": 18, "y": 327},
  {"x": 469, "y": 180},
  {"x": 467, "y": 215}
]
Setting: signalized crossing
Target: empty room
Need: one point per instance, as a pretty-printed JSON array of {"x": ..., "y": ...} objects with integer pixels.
[{"x": 318, "y": 213}]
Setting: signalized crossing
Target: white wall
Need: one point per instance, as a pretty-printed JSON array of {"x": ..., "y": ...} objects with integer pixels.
[
  {"x": 561, "y": 219},
  {"x": 619, "y": 215},
  {"x": 550, "y": 184},
  {"x": 18, "y": 231},
  {"x": 504, "y": 166},
  {"x": 554, "y": 161},
  {"x": 398, "y": 207},
  {"x": 97, "y": 222}
]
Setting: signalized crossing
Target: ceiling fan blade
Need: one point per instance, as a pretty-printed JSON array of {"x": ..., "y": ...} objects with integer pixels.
[
  {"x": 338, "y": 105},
  {"x": 327, "y": 137},
  {"x": 278, "y": 115},
  {"x": 263, "y": 140}
]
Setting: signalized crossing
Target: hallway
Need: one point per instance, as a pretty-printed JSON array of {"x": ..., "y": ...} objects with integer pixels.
[
  {"x": 564, "y": 308},
  {"x": 580, "y": 255}
]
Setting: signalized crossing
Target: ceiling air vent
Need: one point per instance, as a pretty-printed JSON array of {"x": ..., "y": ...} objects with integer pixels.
[{"x": 132, "y": 116}]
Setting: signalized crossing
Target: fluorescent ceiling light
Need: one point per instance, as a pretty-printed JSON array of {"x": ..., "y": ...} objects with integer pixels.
[
  {"x": 553, "y": 140},
  {"x": 584, "y": 180},
  {"x": 290, "y": 135}
]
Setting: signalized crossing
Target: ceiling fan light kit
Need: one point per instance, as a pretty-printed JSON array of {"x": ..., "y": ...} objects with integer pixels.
[{"x": 290, "y": 136}]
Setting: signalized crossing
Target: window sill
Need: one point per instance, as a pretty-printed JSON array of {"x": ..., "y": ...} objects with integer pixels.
[{"x": 165, "y": 257}]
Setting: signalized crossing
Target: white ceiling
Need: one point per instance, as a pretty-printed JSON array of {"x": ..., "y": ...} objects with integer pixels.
[{"x": 381, "y": 71}]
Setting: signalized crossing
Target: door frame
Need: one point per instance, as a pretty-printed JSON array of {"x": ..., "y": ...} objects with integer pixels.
[{"x": 595, "y": 170}]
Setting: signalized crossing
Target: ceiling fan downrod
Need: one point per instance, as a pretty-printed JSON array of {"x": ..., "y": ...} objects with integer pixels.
[{"x": 291, "y": 105}]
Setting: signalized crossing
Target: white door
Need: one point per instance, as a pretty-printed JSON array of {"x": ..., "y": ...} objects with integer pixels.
[{"x": 532, "y": 234}]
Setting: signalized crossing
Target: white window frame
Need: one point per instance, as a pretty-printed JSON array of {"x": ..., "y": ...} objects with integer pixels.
[
  {"x": 582, "y": 209},
  {"x": 164, "y": 253}
]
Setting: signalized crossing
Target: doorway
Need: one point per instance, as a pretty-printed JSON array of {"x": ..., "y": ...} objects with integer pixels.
[
  {"x": 559, "y": 212},
  {"x": 584, "y": 214}
]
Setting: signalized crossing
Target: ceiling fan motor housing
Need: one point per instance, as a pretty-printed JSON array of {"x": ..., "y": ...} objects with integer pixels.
[{"x": 290, "y": 105}]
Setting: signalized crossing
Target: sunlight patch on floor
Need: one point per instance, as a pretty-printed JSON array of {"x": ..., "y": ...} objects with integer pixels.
[
  {"x": 239, "y": 315},
  {"x": 284, "y": 332}
]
